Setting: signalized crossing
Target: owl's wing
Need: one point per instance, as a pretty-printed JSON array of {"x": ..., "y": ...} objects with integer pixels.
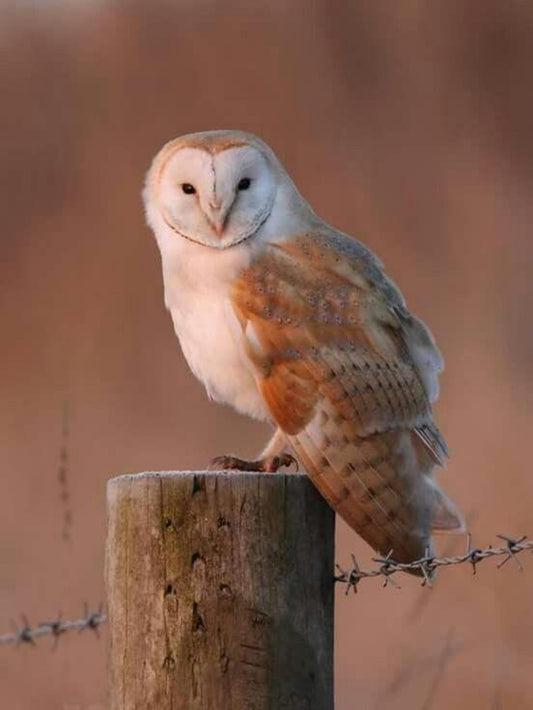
[{"x": 348, "y": 374}]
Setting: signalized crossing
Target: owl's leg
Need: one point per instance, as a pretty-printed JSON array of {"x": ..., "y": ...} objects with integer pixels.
[
  {"x": 273, "y": 457},
  {"x": 277, "y": 445}
]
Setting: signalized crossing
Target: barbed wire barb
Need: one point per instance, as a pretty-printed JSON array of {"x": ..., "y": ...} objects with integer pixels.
[
  {"x": 426, "y": 569},
  {"x": 426, "y": 565},
  {"x": 386, "y": 568},
  {"x": 511, "y": 550}
]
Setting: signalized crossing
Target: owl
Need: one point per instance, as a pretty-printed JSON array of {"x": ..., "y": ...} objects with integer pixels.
[{"x": 292, "y": 322}]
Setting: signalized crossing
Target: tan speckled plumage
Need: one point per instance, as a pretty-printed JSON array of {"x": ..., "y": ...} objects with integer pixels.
[{"x": 326, "y": 332}]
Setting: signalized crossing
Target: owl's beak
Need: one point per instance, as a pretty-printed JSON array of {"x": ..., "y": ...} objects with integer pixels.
[
  {"x": 219, "y": 227},
  {"x": 217, "y": 217}
]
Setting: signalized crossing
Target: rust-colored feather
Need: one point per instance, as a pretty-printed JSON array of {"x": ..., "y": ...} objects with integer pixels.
[{"x": 348, "y": 374}]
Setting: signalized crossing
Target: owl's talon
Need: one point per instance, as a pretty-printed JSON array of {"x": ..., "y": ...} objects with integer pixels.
[
  {"x": 227, "y": 463},
  {"x": 269, "y": 464},
  {"x": 272, "y": 464},
  {"x": 232, "y": 463}
]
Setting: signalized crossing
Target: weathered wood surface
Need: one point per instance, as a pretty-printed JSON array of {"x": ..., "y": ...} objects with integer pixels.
[{"x": 220, "y": 592}]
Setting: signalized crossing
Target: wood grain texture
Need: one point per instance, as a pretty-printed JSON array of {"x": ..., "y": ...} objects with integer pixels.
[{"x": 220, "y": 592}]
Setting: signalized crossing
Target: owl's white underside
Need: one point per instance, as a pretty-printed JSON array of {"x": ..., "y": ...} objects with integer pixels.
[{"x": 197, "y": 281}]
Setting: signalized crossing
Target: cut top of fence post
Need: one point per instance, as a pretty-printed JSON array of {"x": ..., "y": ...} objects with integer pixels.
[{"x": 220, "y": 591}]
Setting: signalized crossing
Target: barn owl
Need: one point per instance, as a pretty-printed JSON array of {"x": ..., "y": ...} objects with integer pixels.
[{"x": 293, "y": 322}]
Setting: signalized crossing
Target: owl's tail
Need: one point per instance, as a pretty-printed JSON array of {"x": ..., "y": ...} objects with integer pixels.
[{"x": 382, "y": 486}]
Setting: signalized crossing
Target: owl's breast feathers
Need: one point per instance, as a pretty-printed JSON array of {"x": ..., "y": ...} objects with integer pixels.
[{"x": 349, "y": 375}]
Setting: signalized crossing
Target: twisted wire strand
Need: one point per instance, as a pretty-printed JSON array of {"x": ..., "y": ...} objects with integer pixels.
[
  {"x": 352, "y": 576},
  {"x": 26, "y": 633}
]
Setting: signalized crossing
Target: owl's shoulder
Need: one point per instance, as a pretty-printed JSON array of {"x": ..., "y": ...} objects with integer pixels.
[{"x": 320, "y": 259}]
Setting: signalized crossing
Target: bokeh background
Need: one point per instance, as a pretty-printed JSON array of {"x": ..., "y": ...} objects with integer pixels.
[{"x": 404, "y": 122}]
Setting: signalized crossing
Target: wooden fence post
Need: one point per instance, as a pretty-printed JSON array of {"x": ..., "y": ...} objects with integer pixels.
[{"x": 220, "y": 592}]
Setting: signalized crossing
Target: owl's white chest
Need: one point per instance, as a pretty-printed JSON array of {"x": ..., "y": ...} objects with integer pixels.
[{"x": 197, "y": 296}]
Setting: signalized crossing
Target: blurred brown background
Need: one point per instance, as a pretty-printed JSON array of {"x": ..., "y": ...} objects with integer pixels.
[{"x": 406, "y": 123}]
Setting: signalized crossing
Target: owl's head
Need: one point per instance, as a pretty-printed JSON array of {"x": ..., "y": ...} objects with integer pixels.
[{"x": 215, "y": 188}]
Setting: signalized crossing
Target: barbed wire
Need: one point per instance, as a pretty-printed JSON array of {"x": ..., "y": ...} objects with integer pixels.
[
  {"x": 426, "y": 565},
  {"x": 351, "y": 577},
  {"x": 27, "y": 634}
]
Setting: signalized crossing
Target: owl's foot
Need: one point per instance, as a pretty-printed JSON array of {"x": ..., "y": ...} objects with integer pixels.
[{"x": 269, "y": 464}]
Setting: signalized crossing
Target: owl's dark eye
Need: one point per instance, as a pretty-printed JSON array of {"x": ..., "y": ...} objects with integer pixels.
[
  {"x": 244, "y": 184},
  {"x": 188, "y": 189}
]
